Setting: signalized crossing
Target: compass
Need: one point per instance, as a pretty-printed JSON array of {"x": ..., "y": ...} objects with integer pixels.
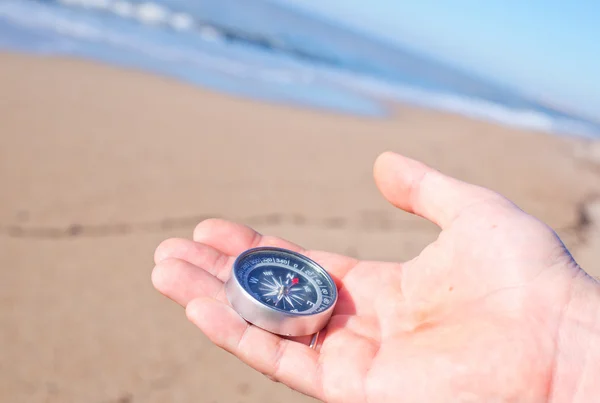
[{"x": 281, "y": 291}]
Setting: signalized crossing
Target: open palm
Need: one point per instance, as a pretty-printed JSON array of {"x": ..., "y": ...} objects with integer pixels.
[{"x": 474, "y": 317}]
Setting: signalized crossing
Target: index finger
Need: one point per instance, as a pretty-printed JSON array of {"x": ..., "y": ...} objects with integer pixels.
[{"x": 229, "y": 239}]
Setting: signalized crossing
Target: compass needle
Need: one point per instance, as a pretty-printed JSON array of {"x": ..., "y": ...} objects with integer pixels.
[
  {"x": 289, "y": 300},
  {"x": 297, "y": 298}
]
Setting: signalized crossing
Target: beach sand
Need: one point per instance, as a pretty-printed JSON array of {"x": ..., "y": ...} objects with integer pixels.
[{"x": 98, "y": 165}]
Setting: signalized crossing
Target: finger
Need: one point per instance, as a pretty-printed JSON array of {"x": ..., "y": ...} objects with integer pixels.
[
  {"x": 229, "y": 238},
  {"x": 233, "y": 238},
  {"x": 219, "y": 265},
  {"x": 182, "y": 282},
  {"x": 210, "y": 259},
  {"x": 283, "y": 360},
  {"x": 419, "y": 189}
]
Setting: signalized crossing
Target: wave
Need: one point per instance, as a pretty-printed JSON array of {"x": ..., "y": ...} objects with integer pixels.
[
  {"x": 472, "y": 107},
  {"x": 45, "y": 19},
  {"x": 206, "y": 50},
  {"x": 147, "y": 13},
  {"x": 159, "y": 15}
]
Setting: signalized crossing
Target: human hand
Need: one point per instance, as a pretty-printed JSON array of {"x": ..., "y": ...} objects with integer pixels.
[{"x": 494, "y": 310}]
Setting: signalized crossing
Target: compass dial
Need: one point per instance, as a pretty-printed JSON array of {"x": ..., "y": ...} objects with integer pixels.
[{"x": 285, "y": 281}]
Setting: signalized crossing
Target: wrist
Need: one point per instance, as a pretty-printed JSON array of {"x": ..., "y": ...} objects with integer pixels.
[{"x": 577, "y": 360}]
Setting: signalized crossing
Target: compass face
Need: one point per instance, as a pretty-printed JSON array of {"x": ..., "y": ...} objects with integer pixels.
[{"x": 285, "y": 281}]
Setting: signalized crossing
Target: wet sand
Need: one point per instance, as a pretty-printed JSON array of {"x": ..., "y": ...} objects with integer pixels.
[{"x": 99, "y": 164}]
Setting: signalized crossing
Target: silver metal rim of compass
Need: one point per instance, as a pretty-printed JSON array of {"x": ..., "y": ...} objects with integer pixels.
[{"x": 271, "y": 320}]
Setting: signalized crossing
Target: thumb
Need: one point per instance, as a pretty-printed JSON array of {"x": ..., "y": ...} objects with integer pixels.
[{"x": 416, "y": 188}]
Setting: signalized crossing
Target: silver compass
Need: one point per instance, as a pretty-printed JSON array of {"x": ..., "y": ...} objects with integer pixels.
[{"x": 281, "y": 291}]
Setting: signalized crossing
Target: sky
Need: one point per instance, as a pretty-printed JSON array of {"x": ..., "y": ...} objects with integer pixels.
[{"x": 549, "y": 49}]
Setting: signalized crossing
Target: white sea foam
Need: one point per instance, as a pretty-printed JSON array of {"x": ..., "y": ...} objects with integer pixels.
[
  {"x": 146, "y": 13},
  {"x": 181, "y": 21},
  {"x": 152, "y": 14},
  {"x": 122, "y": 8}
]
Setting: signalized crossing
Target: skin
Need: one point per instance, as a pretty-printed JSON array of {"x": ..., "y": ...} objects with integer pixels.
[{"x": 495, "y": 310}]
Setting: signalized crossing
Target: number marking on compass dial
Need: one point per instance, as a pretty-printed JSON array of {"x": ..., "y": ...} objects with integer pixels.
[{"x": 286, "y": 281}]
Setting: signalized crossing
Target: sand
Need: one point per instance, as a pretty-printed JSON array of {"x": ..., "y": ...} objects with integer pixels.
[{"x": 99, "y": 164}]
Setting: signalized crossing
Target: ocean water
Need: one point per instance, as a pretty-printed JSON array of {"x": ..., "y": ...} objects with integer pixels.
[{"x": 263, "y": 50}]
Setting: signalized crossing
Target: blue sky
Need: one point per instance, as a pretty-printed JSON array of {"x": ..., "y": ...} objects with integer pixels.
[{"x": 546, "y": 48}]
